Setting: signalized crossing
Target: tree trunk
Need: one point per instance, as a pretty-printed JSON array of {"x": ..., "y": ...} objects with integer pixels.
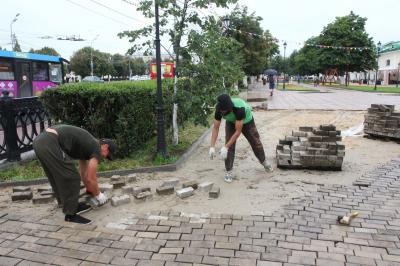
[{"x": 175, "y": 129}]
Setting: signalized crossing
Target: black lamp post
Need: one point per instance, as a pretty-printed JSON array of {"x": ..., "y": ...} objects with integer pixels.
[
  {"x": 284, "y": 64},
  {"x": 161, "y": 144},
  {"x": 377, "y": 59},
  {"x": 225, "y": 24}
]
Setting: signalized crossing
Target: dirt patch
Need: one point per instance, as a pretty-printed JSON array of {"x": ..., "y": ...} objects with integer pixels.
[{"x": 254, "y": 190}]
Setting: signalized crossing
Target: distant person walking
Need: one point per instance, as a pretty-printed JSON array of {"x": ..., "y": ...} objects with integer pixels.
[{"x": 271, "y": 82}]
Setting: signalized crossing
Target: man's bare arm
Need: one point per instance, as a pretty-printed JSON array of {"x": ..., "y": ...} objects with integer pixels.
[
  {"x": 215, "y": 130},
  {"x": 90, "y": 179}
]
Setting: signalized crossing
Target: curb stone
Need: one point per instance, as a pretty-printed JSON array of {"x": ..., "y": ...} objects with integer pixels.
[{"x": 162, "y": 168}]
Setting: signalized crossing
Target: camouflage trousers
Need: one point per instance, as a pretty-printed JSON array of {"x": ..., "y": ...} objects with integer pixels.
[{"x": 250, "y": 132}]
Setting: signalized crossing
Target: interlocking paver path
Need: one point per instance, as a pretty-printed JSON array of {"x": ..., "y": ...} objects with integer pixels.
[
  {"x": 328, "y": 99},
  {"x": 304, "y": 233}
]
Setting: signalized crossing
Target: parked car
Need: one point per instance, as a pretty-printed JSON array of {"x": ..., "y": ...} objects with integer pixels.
[
  {"x": 92, "y": 79},
  {"x": 142, "y": 77}
]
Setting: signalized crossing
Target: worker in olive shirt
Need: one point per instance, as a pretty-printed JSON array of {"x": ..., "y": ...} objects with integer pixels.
[
  {"x": 239, "y": 119},
  {"x": 56, "y": 148}
]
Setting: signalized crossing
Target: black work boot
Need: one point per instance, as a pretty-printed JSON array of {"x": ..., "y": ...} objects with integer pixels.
[
  {"x": 83, "y": 207},
  {"x": 77, "y": 219}
]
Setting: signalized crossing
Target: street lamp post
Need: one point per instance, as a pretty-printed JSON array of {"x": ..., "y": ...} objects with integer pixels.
[
  {"x": 377, "y": 59},
  {"x": 91, "y": 55},
  {"x": 284, "y": 64},
  {"x": 398, "y": 72},
  {"x": 12, "y": 35},
  {"x": 161, "y": 144},
  {"x": 225, "y": 24}
]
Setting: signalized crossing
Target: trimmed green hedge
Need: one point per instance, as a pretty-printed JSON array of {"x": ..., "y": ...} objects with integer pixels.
[{"x": 124, "y": 111}]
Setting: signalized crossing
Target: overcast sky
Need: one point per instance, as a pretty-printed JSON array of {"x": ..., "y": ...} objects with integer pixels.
[{"x": 293, "y": 21}]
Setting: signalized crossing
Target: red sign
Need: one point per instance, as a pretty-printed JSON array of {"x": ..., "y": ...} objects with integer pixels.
[{"x": 167, "y": 70}]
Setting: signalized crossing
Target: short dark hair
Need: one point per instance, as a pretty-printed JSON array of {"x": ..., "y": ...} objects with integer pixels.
[
  {"x": 111, "y": 148},
  {"x": 224, "y": 102}
]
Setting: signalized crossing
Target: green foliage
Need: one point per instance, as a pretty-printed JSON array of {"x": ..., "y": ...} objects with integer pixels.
[
  {"x": 80, "y": 62},
  {"x": 346, "y": 31},
  {"x": 45, "y": 50},
  {"x": 308, "y": 60},
  {"x": 123, "y": 111},
  {"x": 209, "y": 62},
  {"x": 257, "y": 49}
]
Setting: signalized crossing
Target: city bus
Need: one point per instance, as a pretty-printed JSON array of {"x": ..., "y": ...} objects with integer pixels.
[
  {"x": 28, "y": 74},
  {"x": 167, "y": 70}
]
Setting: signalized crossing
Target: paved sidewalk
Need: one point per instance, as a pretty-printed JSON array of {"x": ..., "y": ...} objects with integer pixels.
[
  {"x": 304, "y": 233},
  {"x": 327, "y": 99}
]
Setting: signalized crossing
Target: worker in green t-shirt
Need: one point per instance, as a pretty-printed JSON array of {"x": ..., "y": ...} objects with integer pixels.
[
  {"x": 56, "y": 148},
  {"x": 239, "y": 119}
]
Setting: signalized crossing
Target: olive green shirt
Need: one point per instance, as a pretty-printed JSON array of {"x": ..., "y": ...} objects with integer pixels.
[{"x": 77, "y": 143}]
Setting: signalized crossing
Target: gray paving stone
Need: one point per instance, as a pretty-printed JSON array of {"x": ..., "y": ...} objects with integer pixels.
[
  {"x": 139, "y": 255},
  {"x": 301, "y": 260},
  {"x": 215, "y": 260},
  {"x": 185, "y": 192},
  {"x": 165, "y": 190},
  {"x": 7, "y": 261},
  {"x": 360, "y": 260},
  {"x": 268, "y": 263},
  {"x": 188, "y": 258},
  {"x": 21, "y": 195},
  {"x": 123, "y": 261}
]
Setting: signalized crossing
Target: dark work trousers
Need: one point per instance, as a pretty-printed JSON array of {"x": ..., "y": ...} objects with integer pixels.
[
  {"x": 60, "y": 170},
  {"x": 250, "y": 132}
]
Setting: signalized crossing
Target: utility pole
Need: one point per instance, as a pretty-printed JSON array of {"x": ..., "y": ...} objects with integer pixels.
[
  {"x": 91, "y": 55},
  {"x": 11, "y": 30},
  {"x": 377, "y": 62},
  {"x": 161, "y": 144},
  {"x": 130, "y": 70}
]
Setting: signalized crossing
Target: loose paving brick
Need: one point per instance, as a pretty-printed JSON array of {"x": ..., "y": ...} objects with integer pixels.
[
  {"x": 21, "y": 195},
  {"x": 171, "y": 182},
  {"x": 185, "y": 192},
  {"x": 143, "y": 196},
  {"x": 165, "y": 190},
  {"x": 191, "y": 183},
  {"x": 214, "y": 192},
  {"x": 205, "y": 186},
  {"x": 21, "y": 189},
  {"x": 39, "y": 199},
  {"x": 120, "y": 200},
  {"x": 131, "y": 178}
]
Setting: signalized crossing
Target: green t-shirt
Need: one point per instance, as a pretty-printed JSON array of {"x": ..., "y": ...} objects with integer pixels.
[
  {"x": 239, "y": 107},
  {"x": 77, "y": 142}
]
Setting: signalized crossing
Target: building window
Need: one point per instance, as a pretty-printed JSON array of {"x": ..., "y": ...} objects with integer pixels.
[
  {"x": 388, "y": 62},
  {"x": 55, "y": 73}
]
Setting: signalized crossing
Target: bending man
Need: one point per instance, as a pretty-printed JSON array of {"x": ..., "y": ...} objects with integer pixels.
[
  {"x": 239, "y": 119},
  {"x": 57, "y": 148}
]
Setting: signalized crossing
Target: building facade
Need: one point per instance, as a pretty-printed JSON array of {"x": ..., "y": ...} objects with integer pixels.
[{"x": 389, "y": 63}]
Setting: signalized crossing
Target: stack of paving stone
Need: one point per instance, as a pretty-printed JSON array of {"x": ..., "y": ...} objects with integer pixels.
[
  {"x": 311, "y": 148},
  {"x": 382, "y": 121}
]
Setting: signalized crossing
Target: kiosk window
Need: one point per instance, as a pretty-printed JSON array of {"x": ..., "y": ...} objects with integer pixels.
[
  {"x": 40, "y": 72},
  {"x": 6, "y": 69},
  {"x": 55, "y": 73}
]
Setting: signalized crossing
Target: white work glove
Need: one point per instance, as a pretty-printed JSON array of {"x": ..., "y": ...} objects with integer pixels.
[
  {"x": 223, "y": 153},
  {"x": 211, "y": 153},
  {"x": 101, "y": 198}
]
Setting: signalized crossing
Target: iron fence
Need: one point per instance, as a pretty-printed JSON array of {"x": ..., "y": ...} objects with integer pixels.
[{"x": 21, "y": 120}]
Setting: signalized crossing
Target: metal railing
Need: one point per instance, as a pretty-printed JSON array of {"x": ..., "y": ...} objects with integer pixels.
[{"x": 21, "y": 120}]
